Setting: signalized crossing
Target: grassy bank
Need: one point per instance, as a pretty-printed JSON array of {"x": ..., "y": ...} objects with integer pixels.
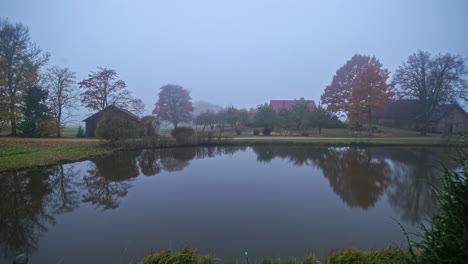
[
  {"x": 413, "y": 141},
  {"x": 390, "y": 255},
  {"x": 23, "y": 154},
  {"x": 20, "y": 153}
]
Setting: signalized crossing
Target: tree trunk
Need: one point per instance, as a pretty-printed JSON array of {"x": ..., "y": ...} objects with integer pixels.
[
  {"x": 370, "y": 121},
  {"x": 425, "y": 120},
  {"x": 13, "y": 119},
  {"x": 59, "y": 117},
  {"x": 320, "y": 131}
]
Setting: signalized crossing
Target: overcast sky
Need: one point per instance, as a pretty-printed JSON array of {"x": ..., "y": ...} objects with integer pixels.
[{"x": 236, "y": 52}]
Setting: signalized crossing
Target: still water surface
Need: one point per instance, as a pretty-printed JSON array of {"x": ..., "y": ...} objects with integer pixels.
[{"x": 268, "y": 200}]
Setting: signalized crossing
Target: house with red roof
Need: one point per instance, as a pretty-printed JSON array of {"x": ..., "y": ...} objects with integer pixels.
[{"x": 288, "y": 104}]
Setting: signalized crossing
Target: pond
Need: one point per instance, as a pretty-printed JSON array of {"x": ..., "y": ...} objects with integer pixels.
[{"x": 277, "y": 201}]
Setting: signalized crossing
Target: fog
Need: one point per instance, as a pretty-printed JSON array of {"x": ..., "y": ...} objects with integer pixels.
[{"x": 242, "y": 53}]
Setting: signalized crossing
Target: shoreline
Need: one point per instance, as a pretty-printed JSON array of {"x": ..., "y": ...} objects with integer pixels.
[{"x": 24, "y": 153}]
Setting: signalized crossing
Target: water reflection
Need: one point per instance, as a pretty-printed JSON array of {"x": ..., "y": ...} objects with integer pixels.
[
  {"x": 24, "y": 213},
  {"x": 30, "y": 200}
]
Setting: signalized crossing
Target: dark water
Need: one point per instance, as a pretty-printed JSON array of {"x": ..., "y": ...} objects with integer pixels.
[{"x": 270, "y": 201}]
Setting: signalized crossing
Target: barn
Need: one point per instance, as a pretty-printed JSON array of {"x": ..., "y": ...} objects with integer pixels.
[
  {"x": 92, "y": 121},
  {"x": 407, "y": 114}
]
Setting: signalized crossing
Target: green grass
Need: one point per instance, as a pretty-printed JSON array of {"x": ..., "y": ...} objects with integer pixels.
[
  {"x": 19, "y": 154},
  {"x": 69, "y": 132},
  {"x": 433, "y": 141},
  {"x": 326, "y": 132},
  {"x": 391, "y": 255}
]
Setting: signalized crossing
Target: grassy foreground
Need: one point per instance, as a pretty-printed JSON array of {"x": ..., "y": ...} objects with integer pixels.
[
  {"x": 20, "y": 154},
  {"x": 390, "y": 255}
]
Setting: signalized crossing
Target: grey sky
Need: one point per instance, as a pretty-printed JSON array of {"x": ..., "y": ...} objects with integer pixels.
[{"x": 236, "y": 52}]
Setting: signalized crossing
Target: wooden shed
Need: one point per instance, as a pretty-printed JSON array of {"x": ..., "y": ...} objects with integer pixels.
[{"x": 92, "y": 121}]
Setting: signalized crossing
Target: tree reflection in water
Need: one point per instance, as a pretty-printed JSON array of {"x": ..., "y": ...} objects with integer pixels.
[
  {"x": 414, "y": 172},
  {"x": 359, "y": 176},
  {"x": 108, "y": 179},
  {"x": 23, "y": 210}
]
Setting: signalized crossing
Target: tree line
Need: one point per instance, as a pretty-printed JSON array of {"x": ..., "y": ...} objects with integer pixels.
[
  {"x": 37, "y": 101},
  {"x": 362, "y": 87}
]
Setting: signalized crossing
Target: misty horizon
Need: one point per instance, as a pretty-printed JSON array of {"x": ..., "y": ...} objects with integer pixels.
[{"x": 242, "y": 54}]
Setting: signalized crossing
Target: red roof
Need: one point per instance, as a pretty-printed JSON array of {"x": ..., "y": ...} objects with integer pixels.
[{"x": 288, "y": 104}]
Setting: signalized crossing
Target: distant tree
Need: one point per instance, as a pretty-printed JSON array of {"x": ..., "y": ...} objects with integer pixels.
[
  {"x": 433, "y": 80},
  {"x": 266, "y": 117},
  {"x": 246, "y": 117},
  {"x": 102, "y": 89},
  {"x": 221, "y": 118},
  {"x": 321, "y": 118},
  {"x": 20, "y": 61},
  {"x": 137, "y": 107},
  {"x": 207, "y": 118},
  {"x": 80, "y": 133},
  {"x": 358, "y": 88},
  {"x": 36, "y": 115},
  {"x": 174, "y": 105},
  {"x": 203, "y": 106},
  {"x": 300, "y": 114},
  {"x": 285, "y": 119},
  {"x": 231, "y": 115},
  {"x": 63, "y": 93}
]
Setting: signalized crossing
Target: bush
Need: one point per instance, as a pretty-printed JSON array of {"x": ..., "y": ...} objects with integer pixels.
[
  {"x": 80, "y": 133},
  {"x": 239, "y": 128},
  {"x": 305, "y": 134},
  {"x": 117, "y": 126},
  {"x": 256, "y": 131},
  {"x": 184, "y": 135},
  {"x": 446, "y": 239},
  {"x": 149, "y": 125},
  {"x": 266, "y": 131}
]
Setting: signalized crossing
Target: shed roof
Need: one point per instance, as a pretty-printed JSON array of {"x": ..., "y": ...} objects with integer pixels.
[
  {"x": 110, "y": 108},
  {"x": 288, "y": 104}
]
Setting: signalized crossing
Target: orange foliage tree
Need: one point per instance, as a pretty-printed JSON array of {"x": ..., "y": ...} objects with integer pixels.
[{"x": 358, "y": 89}]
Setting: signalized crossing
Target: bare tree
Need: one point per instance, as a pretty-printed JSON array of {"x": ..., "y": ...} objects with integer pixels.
[
  {"x": 102, "y": 89},
  {"x": 63, "y": 93},
  {"x": 20, "y": 60},
  {"x": 137, "y": 107},
  {"x": 433, "y": 80}
]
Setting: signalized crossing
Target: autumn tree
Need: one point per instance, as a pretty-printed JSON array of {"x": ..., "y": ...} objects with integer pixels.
[
  {"x": 103, "y": 89},
  {"x": 370, "y": 92},
  {"x": 433, "y": 80},
  {"x": 20, "y": 61},
  {"x": 63, "y": 93},
  {"x": 174, "y": 105},
  {"x": 358, "y": 89}
]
